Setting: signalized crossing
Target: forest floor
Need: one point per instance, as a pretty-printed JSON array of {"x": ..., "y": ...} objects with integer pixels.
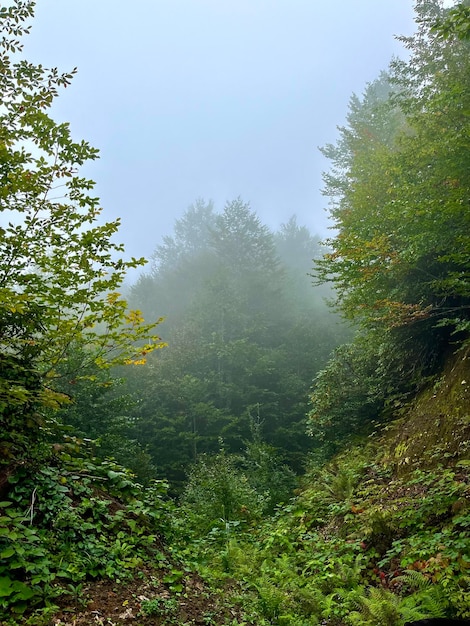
[{"x": 144, "y": 601}]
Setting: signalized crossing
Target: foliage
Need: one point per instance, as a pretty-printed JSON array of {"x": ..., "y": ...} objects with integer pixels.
[
  {"x": 400, "y": 257},
  {"x": 85, "y": 519},
  {"x": 98, "y": 410},
  {"x": 455, "y": 22},
  {"x": 246, "y": 334},
  {"x": 359, "y": 545},
  {"x": 59, "y": 268},
  {"x": 381, "y": 606},
  {"x": 379, "y": 533},
  {"x": 226, "y": 494},
  {"x": 347, "y": 396},
  {"x": 376, "y": 535},
  {"x": 266, "y": 473},
  {"x": 399, "y": 193},
  {"x": 219, "y": 495},
  {"x": 367, "y": 382},
  {"x": 160, "y": 607}
]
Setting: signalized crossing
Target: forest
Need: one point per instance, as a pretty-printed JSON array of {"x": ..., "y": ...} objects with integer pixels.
[{"x": 265, "y": 427}]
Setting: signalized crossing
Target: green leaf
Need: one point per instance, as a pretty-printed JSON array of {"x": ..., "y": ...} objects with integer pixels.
[
  {"x": 6, "y": 586},
  {"x": 7, "y": 553},
  {"x": 22, "y": 591}
]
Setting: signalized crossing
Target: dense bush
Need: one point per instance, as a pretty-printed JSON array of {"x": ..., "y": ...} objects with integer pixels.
[{"x": 71, "y": 521}]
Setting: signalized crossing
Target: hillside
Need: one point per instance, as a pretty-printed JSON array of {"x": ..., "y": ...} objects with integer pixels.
[
  {"x": 436, "y": 424},
  {"x": 381, "y": 534}
]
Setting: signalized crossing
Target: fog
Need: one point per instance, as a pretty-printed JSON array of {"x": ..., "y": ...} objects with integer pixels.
[{"x": 212, "y": 99}]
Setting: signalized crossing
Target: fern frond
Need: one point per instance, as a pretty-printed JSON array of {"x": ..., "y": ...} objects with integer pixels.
[
  {"x": 430, "y": 599},
  {"x": 414, "y": 579},
  {"x": 378, "y": 607}
]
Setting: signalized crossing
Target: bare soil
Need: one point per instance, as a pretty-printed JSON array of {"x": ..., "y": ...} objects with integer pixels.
[{"x": 105, "y": 603}]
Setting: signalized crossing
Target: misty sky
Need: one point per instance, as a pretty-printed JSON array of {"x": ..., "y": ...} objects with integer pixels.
[{"x": 212, "y": 98}]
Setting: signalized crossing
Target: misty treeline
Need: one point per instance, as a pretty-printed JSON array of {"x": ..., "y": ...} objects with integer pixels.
[{"x": 246, "y": 333}]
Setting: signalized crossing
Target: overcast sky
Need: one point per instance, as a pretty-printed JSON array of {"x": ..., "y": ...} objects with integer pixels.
[{"x": 212, "y": 98}]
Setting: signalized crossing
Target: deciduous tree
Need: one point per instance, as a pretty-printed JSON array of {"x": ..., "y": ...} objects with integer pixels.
[
  {"x": 60, "y": 269},
  {"x": 399, "y": 188},
  {"x": 400, "y": 199}
]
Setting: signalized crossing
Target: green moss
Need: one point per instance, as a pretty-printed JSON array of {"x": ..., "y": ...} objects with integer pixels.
[{"x": 435, "y": 428}]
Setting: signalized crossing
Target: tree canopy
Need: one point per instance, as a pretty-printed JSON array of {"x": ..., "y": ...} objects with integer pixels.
[
  {"x": 400, "y": 193},
  {"x": 246, "y": 333},
  {"x": 455, "y": 22}
]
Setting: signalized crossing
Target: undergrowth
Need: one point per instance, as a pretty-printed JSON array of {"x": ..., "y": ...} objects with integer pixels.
[
  {"x": 375, "y": 536},
  {"x": 359, "y": 545},
  {"x": 73, "y": 520}
]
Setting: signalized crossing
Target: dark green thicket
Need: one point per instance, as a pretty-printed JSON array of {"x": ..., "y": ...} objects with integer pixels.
[{"x": 72, "y": 520}]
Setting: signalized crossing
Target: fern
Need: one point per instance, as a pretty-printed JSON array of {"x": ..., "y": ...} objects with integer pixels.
[
  {"x": 340, "y": 485},
  {"x": 415, "y": 580},
  {"x": 431, "y": 598},
  {"x": 382, "y": 607}
]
